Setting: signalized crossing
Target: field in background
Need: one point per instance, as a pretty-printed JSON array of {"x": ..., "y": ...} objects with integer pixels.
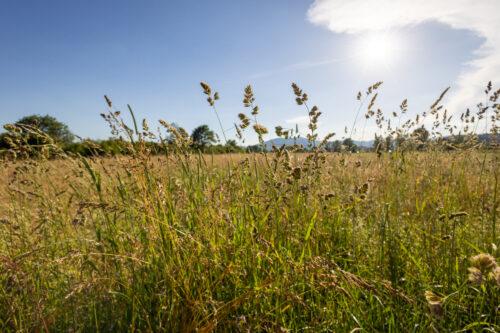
[{"x": 265, "y": 242}]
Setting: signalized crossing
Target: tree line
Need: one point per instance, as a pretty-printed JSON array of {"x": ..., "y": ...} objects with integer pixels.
[{"x": 38, "y": 131}]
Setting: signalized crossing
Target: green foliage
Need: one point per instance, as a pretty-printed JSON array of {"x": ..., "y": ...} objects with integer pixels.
[
  {"x": 111, "y": 147},
  {"x": 50, "y": 126},
  {"x": 349, "y": 145},
  {"x": 34, "y": 136},
  {"x": 421, "y": 136},
  {"x": 202, "y": 137},
  {"x": 381, "y": 144},
  {"x": 334, "y": 146}
]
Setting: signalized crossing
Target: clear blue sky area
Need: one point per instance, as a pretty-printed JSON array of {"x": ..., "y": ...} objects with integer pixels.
[{"x": 60, "y": 57}]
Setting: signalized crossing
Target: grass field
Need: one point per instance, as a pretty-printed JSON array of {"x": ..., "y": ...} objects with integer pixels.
[
  {"x": 288, "y": 240},
  {"x": 269, "y": 242}
]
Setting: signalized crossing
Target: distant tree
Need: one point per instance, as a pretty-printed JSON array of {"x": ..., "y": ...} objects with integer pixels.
[
  {"x": 169, "y": 138},
  {"x": 255, "y": 149},
  {"x": 50, "y": 126},
  {"x": 334, "y": 146},
  {"x": 349, "y": 145},
  {"x": 421, "y": 136},
  {"x": 202, "y": 137},
  {"x": 400, "y": 141},
  {"x": 421, "y": 133},
  {"x": 378, "y": 143},
  {"x": 389, "y": 143},
  {"x": 232, "y": 147}
]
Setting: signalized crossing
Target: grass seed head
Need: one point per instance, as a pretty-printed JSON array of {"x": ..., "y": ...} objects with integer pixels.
[
  {"x": 475, "y": 276},
  {"x": 484, "y": 262},
  {"x": 435, "y": 304}
]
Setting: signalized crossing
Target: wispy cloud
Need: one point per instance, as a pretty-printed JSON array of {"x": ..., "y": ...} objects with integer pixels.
[
  {"x": 480, "y": 16},
  {"x": 296, "y": 67}
]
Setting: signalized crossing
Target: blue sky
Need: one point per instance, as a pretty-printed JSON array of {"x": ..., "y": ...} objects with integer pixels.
[{"x": 60, "y": 57}]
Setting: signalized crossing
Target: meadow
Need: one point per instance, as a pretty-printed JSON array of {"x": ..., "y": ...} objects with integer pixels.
[{"x": 287, "y": 240}]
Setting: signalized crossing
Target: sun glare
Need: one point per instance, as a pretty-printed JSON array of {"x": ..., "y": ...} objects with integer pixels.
[{"x": 378, "y": 50}]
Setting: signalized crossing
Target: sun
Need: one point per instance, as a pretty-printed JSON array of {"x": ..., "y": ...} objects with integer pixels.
[{"x": 379, "y": 49}]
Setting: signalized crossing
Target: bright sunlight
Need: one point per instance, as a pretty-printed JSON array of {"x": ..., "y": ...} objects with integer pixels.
[{"x": 378, "y": 49}]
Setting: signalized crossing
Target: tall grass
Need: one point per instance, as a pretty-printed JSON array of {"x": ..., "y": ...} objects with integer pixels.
[{"x": 278, "y": 241}]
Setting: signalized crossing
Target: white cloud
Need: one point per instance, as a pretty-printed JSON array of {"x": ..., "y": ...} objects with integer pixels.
[{"x": 480, "y": 16}]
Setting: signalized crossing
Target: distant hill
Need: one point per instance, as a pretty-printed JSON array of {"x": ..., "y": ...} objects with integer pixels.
[
  {"x": 364, "y": 144},
  {"x": 278, "y": 142},
  {"x": 486, "y": 137}
]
